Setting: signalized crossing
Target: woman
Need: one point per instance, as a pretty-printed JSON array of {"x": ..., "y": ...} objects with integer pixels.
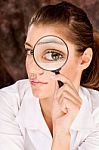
[{"x": 38, "y": 114}]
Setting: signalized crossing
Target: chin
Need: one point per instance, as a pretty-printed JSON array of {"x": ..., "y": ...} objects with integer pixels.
[
  {"x": 42, "y": 93},
  {"x": 38, "y": 94}
]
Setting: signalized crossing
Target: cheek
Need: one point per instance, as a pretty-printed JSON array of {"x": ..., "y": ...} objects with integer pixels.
[
  {"x": 50, "y": 88},
  {"x": 29, "y": 64},
  {"x": 26, "y": 65},
  {"x": 70, "y": 70}
]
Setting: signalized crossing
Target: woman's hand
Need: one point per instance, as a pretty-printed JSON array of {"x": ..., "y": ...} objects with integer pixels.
[{"x": 65, "y": 107}]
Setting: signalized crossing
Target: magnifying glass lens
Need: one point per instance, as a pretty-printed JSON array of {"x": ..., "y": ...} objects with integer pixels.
[{"x": 50, "y": 53}]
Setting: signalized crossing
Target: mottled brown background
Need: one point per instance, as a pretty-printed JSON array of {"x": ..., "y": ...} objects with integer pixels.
[{"x": 14, "y": 19}]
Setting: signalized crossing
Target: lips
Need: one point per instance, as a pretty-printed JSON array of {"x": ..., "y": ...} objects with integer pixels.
[{"x": 38, "y": 82}]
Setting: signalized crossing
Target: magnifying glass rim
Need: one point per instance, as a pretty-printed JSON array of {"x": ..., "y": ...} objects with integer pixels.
[{"x": 58, "y": 38}]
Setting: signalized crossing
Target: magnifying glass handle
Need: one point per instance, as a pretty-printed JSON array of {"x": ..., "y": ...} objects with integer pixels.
[{"x": 59, "y": 82}]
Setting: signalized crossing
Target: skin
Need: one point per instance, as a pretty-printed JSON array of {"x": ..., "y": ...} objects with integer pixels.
[{"x": 59, "y": 106}]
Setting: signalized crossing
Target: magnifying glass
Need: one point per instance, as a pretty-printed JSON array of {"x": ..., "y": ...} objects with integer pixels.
[{"x": 51, "y": 53}]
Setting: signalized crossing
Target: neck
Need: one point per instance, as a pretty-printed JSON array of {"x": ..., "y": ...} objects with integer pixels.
[{"x": 46, "y": 105}]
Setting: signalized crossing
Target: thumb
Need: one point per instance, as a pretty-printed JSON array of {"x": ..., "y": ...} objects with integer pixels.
[
  {"x": 56, "y": 87},
  {"x": 56, "y": 111}
]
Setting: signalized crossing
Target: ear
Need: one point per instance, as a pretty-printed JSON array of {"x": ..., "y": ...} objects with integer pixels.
[{"x": 86, "y": 58}]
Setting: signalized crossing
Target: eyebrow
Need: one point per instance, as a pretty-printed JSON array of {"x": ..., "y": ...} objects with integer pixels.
[
  {"x": 26, "y": 43},
  {"x": 51, "y": 41}
]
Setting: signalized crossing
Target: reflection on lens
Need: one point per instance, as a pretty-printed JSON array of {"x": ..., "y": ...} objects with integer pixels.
[{"x": 50, "y": 53}]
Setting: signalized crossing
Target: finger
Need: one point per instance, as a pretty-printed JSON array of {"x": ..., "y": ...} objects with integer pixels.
[
  {"x": 67, "y": 106},
  {"x": 72, "y": 97},
  {"x": 56, "y": 111},
  {"x": 63, "y": 108},
  {"x": 56, "y": 89},
  {"x": 64, "y": 99},
  {"x": 59, "y": 94},
  {"x": 69, "y": 88},
  {"x": 65, "y": 80},
  {"x": 62, "y": 105},
  {"x": 67, "y": 92}
]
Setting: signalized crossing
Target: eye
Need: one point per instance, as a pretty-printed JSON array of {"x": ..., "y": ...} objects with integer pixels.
[
  {"x": 53, "y": 55},
  {"x": 29, "y": 51}
]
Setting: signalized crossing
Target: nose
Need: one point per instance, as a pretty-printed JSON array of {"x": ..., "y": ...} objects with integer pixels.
[{"x": 33, "y": 68}]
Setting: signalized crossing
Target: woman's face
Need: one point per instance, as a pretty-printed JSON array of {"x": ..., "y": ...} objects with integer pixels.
[{"x": 41, "y": 82}]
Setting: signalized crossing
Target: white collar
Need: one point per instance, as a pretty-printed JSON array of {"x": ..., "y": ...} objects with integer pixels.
[
  {"x": 84, "y": 119},
  {"x": 30, "y": 115}
]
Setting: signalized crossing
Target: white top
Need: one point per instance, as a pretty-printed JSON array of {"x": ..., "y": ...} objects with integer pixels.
[{"x": 22, "y": 126}]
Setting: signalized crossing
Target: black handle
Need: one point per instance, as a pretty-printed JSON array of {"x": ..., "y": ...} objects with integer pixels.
[{"x": 60, "y": 83}]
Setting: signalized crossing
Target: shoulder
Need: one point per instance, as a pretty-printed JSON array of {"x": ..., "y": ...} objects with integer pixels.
[
  {"x": 93, "y": 93},
  {"x": 95, "y": 104},
  {"x": 93, "y": 98},
  {"x": 12, "y": 96}
]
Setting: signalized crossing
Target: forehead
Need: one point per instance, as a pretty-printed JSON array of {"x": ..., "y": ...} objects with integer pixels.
[{"x": 36, "y": 32}]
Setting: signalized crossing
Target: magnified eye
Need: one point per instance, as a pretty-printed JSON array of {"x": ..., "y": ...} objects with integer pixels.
[{"x": 53, "y": 55}]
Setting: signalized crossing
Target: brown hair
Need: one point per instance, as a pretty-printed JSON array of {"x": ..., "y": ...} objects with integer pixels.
[
  {"x": 80, "y": 33},
  {"x": 5, "y": 78}
]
